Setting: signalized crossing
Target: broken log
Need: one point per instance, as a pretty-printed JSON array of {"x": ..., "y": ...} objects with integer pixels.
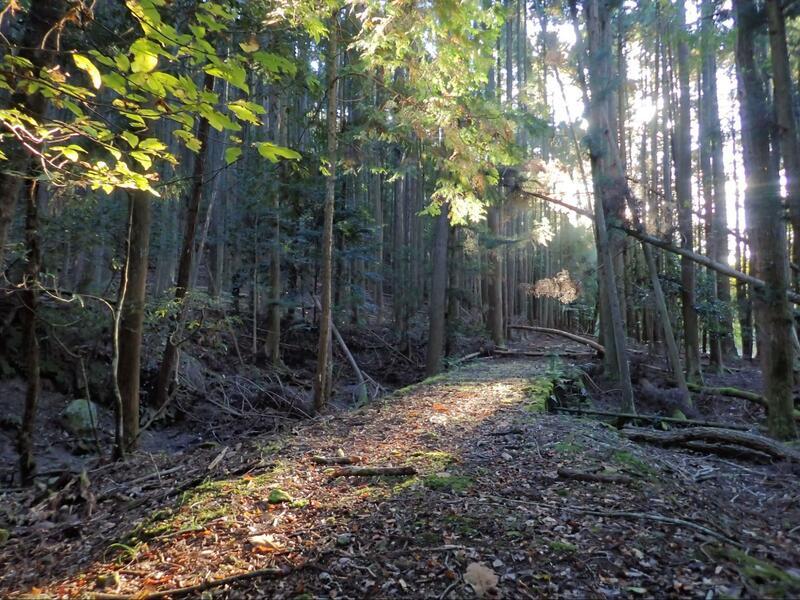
[
  {"x": 571, "y": 336},
  {"x": 336, "y": 460},
  {"x": 593, "y": 477},
  {"x": 713, "y": 435},
  {"x": 373, "y": 472},
  {"x": 649, "y": 418}
]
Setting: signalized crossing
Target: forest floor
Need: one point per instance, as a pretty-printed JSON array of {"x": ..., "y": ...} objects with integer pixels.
[{"x": 491, "y": 509}]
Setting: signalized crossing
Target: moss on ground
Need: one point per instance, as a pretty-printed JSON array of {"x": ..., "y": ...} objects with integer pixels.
[
  {"x": 451, "y": 483},
  {"x": 633, "y": 463},
  {"x": 538, "y": 392},
  {"x": 766, "y": 579}
]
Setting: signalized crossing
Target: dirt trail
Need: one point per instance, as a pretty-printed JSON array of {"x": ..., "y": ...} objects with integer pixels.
[{"x": 487, "y": 491}]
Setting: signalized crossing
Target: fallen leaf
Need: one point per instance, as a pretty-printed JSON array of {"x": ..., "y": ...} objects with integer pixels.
[
  {"x": 439, "y": 407},
  {"x": 265, "y": 543},
  {"x": 482, "y": 579}
]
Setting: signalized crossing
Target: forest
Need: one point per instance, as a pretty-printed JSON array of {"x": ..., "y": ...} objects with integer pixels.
[{"x": 399, "y": 298}]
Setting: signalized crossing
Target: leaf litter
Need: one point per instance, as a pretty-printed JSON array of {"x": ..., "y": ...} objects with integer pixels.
[{"x": 486, "y": 513}]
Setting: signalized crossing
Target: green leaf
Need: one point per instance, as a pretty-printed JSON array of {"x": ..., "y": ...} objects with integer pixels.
[
  {"x": 232, "y": 154},
  {"x": 243, "y": 113},
  {"x": 87, "y": 65},
  {"x": 274, "y": 153},
  {"x": 152, "y": 145},
  {"x": 277, "y": 495},
  {"x": 131, "y": 138},
  {"x": 143, "y": 159},
  {"x": 275, "y": 63},
  {"x": 123, "y": 63},
  {"x": 145, "y": 56},
  {"x": 116, "y": 82}
]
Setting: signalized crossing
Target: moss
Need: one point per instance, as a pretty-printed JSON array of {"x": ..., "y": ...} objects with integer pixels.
[
  {"x": 435, "y": 460},
  {"x": 568, "y": 447},
  {"x": 452, "y": 483},
  {"x": 537, "y": 393},
  {"x": 626, "y": 459},
  {"x": 463, "y": 525},
  {"x": 562, "y": 547},
  {"x": 278, "y": 496},
  {"x": 767, "y": 578}
]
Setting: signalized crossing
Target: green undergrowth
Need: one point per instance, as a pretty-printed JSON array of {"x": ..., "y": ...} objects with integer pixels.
[
  {"x": 632, "y": 463},
  {"x": 208, "y": 501},
  {"x": 537, "y": 393},
  {"x": 764, "y": 578},
  {"x": 448, "y": 482},
  {"x": 431, "y": 461}
]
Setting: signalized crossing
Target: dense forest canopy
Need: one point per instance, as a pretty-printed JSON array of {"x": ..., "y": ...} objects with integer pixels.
[{"x": 285, "y": 207}]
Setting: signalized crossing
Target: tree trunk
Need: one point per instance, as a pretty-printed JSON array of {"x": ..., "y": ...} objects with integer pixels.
[
  {"x": 170, "y": 360},
  {"x": 608, "y": 181},
  {"x": 719, "y": 224},
  {"x": 436, "y": 330},
  {"x": 131, "y": 308},
  {"x": 273, "y": 350},
  {"x": 683, "y": 191},
  {"x": 767, "y": 230},
  {"x": 495, "y": 279},
  {"x": 786, "y": 124},
  {"x": 322, "y": 377},
  {"x": 29, "y": 297},
  {"x": 42, "y": 17}
]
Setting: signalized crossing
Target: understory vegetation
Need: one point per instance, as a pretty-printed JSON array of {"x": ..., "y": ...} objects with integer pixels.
[{"x": 321, "y": 298}]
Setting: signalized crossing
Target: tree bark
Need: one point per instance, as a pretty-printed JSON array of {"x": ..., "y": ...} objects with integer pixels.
[
  {"x": 786, "y": 126},
  {"x": 169, "y": 362},
  {"x": 683, "y": 191},
  {"x": 719, "y": 218},
  {"x": 767, "y": 231},
  {"x": 322, "y": 377},
  {"x": 42, "y": 16},
  {"x": 495, "y": 279},
  {"x": 272, "y": 347},
  {"x": 131, "y": 308},
  {"x": 438, "y": 301},
  {"x": 607, "y": 179},
  {"x": 29, "y": 296}
]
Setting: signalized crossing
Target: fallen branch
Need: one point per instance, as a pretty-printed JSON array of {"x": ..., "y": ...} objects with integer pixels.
[
  {"x": 649, "y": 418},
  {"x": 659, "y": 243},
  {"x": 712, "y": 435},
  {"x": 593, "y": 477},
  {"x": 373, "y": 472},
  {"x": 538, "y": 354},
  {"x": 729, "y": 391},
  {"x": 192, "y": 589},
  {"x": 362, "y": 384},
  {"x": 571, "y": 336},
  {"x": 465, "y": 358},
  {"x": 336, "y": 460},
  {"x": 702, "y": 260}
]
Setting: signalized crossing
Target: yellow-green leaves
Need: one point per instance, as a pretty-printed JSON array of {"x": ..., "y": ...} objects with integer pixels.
[
  {"x": 232, "y": 154},
  {"x": 246, "y": 111},
  {"x": 274, "y": 153},
  {"x": 275, "y": 63},
  {"x": 84, "y": 64},
  {"x": 145, "y": 56},
  {"x": 131, "y": 138}
]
